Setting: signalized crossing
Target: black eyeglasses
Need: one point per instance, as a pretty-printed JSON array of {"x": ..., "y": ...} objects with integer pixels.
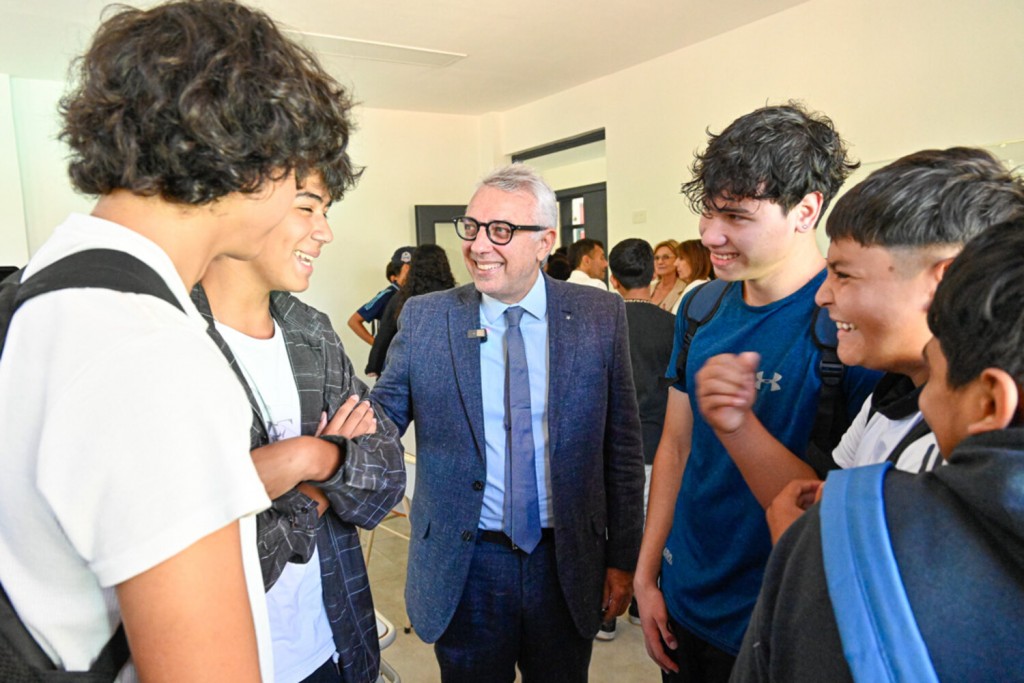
[{"x": 498, "y": 232}]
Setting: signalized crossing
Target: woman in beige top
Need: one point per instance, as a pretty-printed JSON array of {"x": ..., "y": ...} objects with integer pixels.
[{"x": 667, "y": 288}]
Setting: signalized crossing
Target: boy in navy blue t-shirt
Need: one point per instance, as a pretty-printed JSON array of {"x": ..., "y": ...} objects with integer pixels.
[{"x": 760, "y": 187}]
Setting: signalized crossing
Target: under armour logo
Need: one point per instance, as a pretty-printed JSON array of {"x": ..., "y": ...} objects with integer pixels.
[{"x": 774, "y": 381}]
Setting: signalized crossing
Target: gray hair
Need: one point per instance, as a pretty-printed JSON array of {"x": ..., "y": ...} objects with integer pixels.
[{"x": 522, "y": 178}]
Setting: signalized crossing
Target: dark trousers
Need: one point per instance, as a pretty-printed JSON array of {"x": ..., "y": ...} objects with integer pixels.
[
  {"x": 512, "y": 611},
  {"x": 328, "y": 673},
  {"x": 699, "y": 661}
]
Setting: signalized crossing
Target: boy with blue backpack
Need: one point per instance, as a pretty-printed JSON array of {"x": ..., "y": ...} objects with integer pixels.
[{"x": 902, "y": 577}]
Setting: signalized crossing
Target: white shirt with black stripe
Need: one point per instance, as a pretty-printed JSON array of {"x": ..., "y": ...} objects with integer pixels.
[{"x": 890, "y": 427}]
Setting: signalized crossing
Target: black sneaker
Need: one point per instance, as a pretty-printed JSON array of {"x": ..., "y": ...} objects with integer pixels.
[
  {"x": 607, "y": 630},
  {"x": 634, "y": 613}
]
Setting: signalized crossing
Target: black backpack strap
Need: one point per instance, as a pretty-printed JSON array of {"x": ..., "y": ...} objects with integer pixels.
[
  {"x": 16, "y": 638},
  {"x": 700, "y": 308},
  {"x": 94, "y": 268},
  {"x": 832, "y": 419},
  {"x": 97, "y": 268}
]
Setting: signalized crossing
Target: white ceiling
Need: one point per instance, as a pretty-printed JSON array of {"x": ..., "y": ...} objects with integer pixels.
[{"x": 516, "y": 52}]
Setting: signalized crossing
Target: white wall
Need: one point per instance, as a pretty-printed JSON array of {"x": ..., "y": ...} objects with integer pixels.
[
  {"x": 411, "y": 158},
  {"x": 46, "y": 191},
  {"x": 895, "y": 76},
  {"x": 13, "y": 241}
]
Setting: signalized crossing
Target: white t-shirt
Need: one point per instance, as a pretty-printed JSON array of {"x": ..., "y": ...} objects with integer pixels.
[
  {"x": 301, "y": 631},
  {"x": 873, "y": 436},
  {"x": 578, "y": 277},
  {"x": 125, "y": 439}
]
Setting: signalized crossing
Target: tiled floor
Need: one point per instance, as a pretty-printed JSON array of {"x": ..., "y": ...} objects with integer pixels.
[{"x": 622, "y": 660}]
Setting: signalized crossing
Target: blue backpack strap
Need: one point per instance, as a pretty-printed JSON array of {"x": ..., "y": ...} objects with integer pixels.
[
  {"x": 880, "y": 636},
  {"x": 699, "y": 309}
]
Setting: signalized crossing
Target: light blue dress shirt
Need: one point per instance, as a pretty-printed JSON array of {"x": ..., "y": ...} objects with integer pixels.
[{"x": 534, "y": 326}]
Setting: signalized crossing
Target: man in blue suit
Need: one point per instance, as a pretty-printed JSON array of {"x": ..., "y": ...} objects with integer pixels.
[{"x": 501, "y": 573}]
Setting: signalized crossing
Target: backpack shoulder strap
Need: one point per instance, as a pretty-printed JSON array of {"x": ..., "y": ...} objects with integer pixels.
[
  {"x": 832, "y": 418},
  {"x": 98, "y": 268},
  {"x": 880, "y": 636},
  {"x": 700, "y": 308},
  {"x": 92, "y": 268}
]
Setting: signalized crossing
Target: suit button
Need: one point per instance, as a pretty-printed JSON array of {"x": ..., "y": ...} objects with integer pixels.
[
  {"x": 467, "y": 535},
  {"x": 478, "y": 486}
]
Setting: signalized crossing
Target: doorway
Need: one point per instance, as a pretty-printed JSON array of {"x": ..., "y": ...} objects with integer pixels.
[
  {"x": 434, "y": 226},
  {"x": 583, "y": 212}
]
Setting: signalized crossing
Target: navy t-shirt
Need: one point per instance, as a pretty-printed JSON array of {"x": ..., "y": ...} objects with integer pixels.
[
  {"x": 715, "y": 555},
  {"x": 374, "y": 308}
]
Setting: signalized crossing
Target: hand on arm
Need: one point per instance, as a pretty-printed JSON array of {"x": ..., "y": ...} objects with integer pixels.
[
  {"x": 188, "y": 618},
  {"x": 284, "y": 464},
  {"x": 725, "y": 395},
  {"x": 356, "y": 324},
  {"x": 792, "y": 501},
  {"x": 666, "y": 477},
  {"x": 353, "y": 418}
]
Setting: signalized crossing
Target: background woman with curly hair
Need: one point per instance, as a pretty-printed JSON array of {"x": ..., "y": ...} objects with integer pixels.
[{"x": 428, "y": 272}]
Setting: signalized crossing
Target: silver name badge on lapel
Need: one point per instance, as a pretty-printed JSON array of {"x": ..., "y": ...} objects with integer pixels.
[{"x": 480, "y": 334}]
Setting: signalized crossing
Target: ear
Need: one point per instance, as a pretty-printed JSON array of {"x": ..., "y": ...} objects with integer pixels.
[
  {"x": 935, "y": 273},
  {"x": 616, "y": 285},
  {"x": 940, "y": 267},
  {"x": 807, "y": 211},
  {"x": 545, "y": 243},
  {"x": 996, "y": 401}
]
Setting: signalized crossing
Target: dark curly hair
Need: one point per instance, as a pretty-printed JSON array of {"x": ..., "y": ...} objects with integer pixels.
[
  {"x": 196, "y": 99},
  {"x": 780, "y": 153},
  {"x": 976, "y": 314},
  {"x": 429, "y": 271},
  {"x": 931, "y": 197}
]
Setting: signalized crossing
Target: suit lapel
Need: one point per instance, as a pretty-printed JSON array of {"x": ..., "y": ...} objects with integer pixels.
[
  {"x": 462, "y": 318},
  {"x": 562, "y": 331}
]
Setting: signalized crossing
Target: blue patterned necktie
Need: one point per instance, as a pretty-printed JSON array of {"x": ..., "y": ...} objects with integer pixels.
[{"x": 521, "y": 510}]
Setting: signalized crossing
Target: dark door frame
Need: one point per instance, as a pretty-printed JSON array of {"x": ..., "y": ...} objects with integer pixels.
[{"x": 427, "y": 215}]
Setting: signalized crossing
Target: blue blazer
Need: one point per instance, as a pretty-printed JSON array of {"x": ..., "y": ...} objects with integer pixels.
[{"x": 432, "y": 378}]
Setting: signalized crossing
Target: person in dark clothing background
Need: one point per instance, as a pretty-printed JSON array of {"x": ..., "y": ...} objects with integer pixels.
[
  {"x": 651, "y": 331},
  {"x": 429, "y": 271}
]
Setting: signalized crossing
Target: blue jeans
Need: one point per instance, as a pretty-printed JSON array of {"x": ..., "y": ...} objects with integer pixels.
[{"x": 512, "y": 611}]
